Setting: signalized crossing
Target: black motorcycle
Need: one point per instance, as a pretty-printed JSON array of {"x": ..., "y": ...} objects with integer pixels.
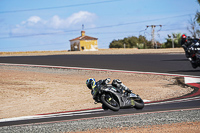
[
  {"x": 192, "y": 50},
  {"x": 114, "y": 98}
]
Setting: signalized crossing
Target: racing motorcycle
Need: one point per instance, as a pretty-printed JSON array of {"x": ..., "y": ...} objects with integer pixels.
[
  {"x": 187, "y": 42},
  {"x": 114, "y": 98},
  {"x": 192, "y": 50}
]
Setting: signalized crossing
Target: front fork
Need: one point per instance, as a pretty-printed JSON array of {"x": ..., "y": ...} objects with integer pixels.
[{"x": 132, "y": 102}]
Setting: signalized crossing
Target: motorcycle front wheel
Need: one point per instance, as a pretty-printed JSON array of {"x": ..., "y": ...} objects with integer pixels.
[
  {"x": 194, "y": 65},
  {"x": 139, "y": 104},
  {"x": 110, "y": 102},
  {"x": 187, "y": 54}
]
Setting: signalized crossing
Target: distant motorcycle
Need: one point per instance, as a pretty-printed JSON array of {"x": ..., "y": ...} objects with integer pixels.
[
  {"x": 192, "y": 50},
  {"x": 114, "y": 98}
]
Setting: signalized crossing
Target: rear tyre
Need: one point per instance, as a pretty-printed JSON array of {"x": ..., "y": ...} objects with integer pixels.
[{"x": 110, "y": 102}]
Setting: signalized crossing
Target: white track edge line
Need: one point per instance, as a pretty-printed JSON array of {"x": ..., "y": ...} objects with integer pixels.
[
  {"x": 50, "y": 115},
  {"x": 179, "y": 100}
]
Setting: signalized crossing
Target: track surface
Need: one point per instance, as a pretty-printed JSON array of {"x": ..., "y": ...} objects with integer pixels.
[
  {"x": 174, "y": 105},
  {"x": 161, "y": 63}
]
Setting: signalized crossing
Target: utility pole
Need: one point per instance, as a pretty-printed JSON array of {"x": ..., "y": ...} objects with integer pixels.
[{"x": 152, "y": 34}]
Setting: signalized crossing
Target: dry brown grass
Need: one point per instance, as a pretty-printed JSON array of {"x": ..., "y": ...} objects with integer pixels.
[
  {"x": 31, "y": 52},
  {"x": 100, "y": 51}
]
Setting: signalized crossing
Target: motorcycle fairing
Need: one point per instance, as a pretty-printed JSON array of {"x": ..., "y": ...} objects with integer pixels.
[{"x": 124, "y": 100}]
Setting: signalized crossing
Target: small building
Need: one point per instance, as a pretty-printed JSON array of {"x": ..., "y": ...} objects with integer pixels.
[{"x": 84, "y": 43}]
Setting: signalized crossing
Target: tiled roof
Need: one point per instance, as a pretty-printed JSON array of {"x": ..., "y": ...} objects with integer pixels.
[{"x": 84, "y": 38}]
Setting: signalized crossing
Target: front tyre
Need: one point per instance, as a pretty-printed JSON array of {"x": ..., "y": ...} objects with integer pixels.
[
  {"x": 187, "y": 54},
  {"x": 139, "y": 104},
  {"x": 110, "y": 102},
  {"x": 194, "y": 65}
]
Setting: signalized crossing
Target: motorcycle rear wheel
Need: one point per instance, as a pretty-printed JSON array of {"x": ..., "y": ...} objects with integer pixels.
[{"x": 111, "y": 104}]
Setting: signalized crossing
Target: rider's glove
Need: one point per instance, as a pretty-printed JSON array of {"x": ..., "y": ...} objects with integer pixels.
[
  {"x": 129, "y": 91},
  {"x": 126, "y": 88}
]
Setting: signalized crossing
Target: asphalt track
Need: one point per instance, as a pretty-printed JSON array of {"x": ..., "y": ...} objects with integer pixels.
[
  {"x": 188, "y": 103},
  {"x": 160, "y": 63}
]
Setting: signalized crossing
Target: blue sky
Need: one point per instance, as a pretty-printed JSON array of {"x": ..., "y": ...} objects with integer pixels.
[{"x": 49, "y": 24}]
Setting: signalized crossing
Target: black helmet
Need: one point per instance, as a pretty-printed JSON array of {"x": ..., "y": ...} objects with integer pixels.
[{"x": 91, "y": 83}]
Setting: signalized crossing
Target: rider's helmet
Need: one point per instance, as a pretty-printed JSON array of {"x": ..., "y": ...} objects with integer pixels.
[
  {"x": 183, "y": 39},
  {"x": 116, "y": 83},
  {"x": 183, "y": 36},
  {"x": 91, "y": 83}
]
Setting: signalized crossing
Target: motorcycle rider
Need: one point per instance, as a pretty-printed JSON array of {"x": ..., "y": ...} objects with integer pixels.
[
  {"x": 95, "y": 86},
  {"x": 184, "y": 41}
]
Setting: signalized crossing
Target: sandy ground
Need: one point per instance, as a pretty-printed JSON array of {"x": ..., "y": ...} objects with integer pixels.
[{"x": 29, "y": 91}]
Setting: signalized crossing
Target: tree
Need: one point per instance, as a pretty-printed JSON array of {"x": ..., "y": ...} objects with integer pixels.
[
  {"x": 197, "y": 16},
  {"x": 130, "y": 42},
  {"x": 193, "y": 27},
  {"x": 177, "y": 41},
  {"x": 116, "y": 44},
  {"x": 143, "y": 40}
]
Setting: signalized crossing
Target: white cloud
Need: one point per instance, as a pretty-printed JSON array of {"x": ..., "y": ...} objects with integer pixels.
[
  {"x": 34, "y": 19},
  {"x": 75, "y": 19},
  {"x": 35, "y": 24},
  {"x": 55, "y": 22},
  {"x": 82, "y": 16}
]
